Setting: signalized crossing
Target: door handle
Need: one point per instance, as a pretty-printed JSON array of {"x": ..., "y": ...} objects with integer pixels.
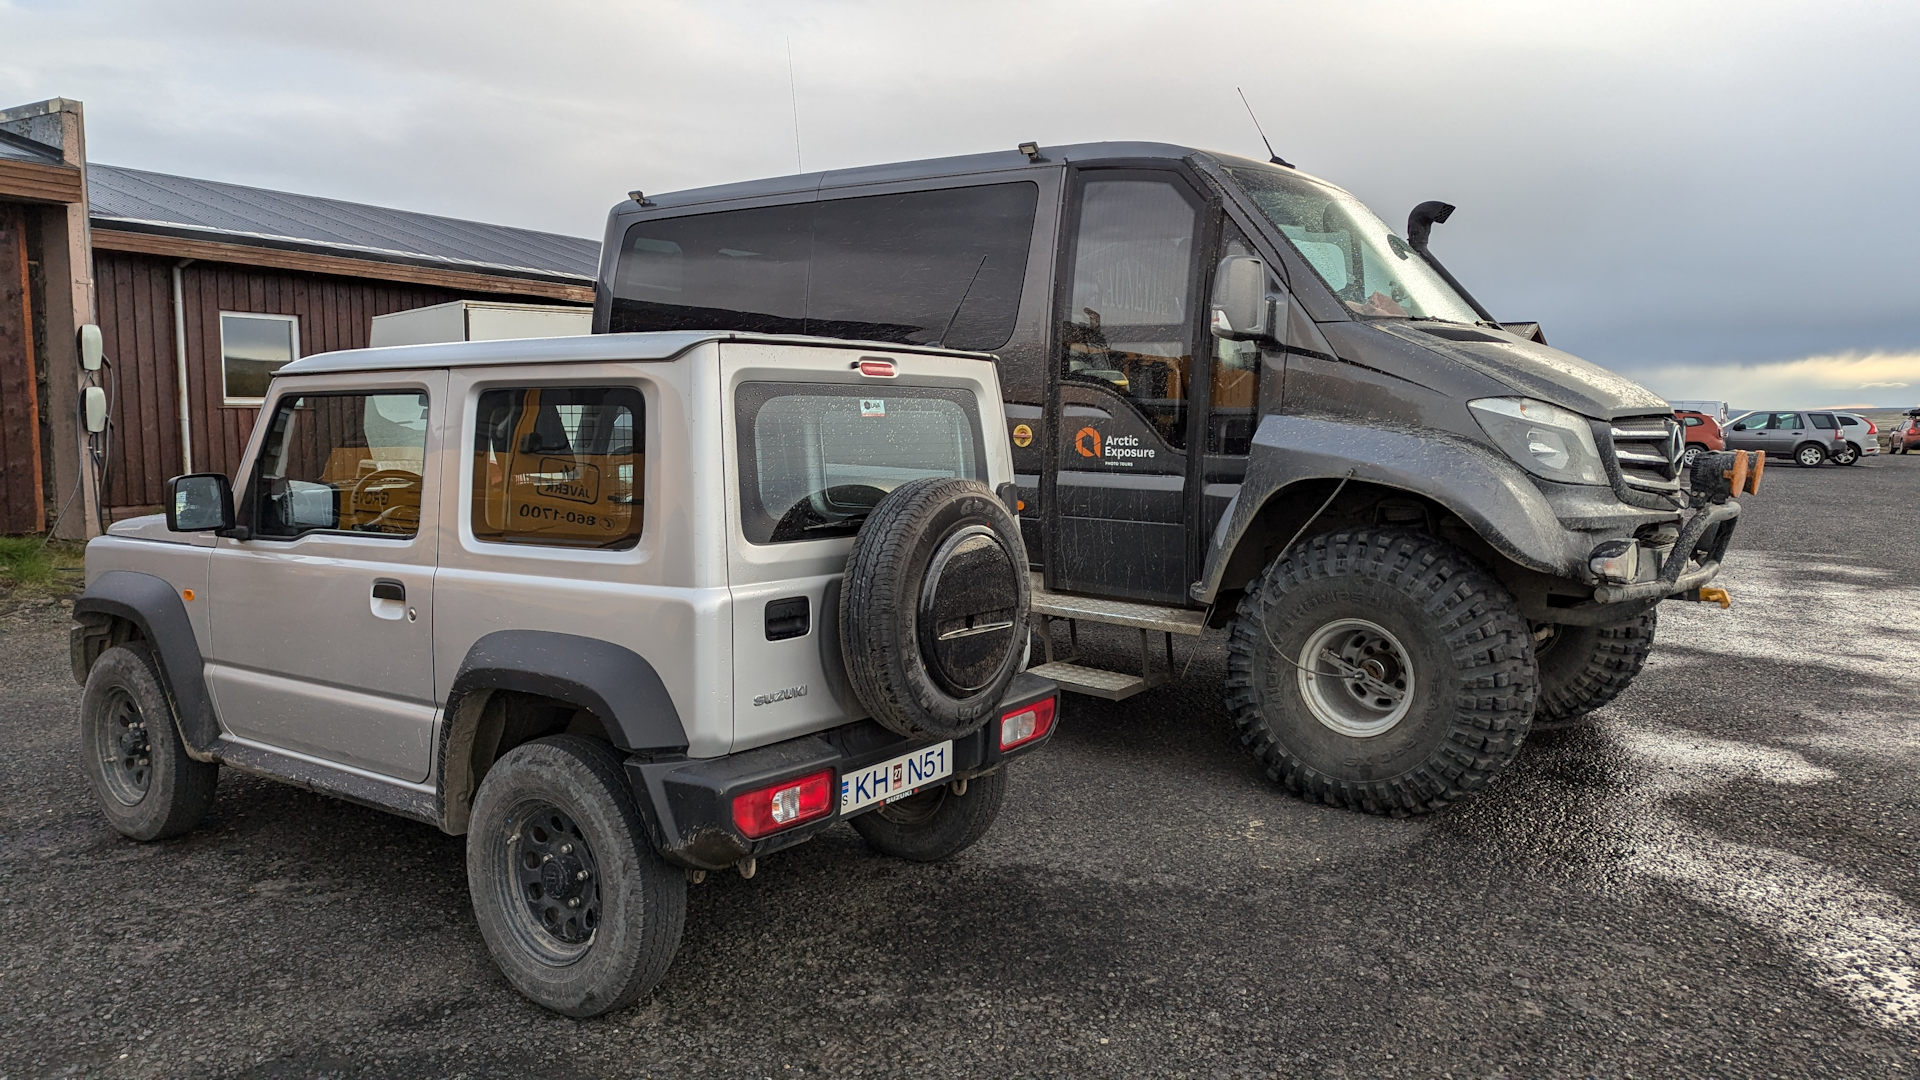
[{"x": 389, "y": 589}]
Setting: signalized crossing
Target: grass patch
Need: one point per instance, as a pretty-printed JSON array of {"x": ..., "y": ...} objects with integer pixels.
[{"x": 31, "y": 566}]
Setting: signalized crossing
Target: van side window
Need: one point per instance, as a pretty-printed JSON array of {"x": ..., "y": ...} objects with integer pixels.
[
  {"x": 559, "y": 465},
  {"x": 893, "y": 268},
  {"x": 741, "y": 270},
  {"x": 1127, "y": 322},
  {"x": 1235, "y": 391},
  {"x": 343, "y": 463}
]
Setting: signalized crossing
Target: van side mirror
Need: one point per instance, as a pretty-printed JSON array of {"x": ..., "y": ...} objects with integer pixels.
[
  {"x": 199, "y": 502},
  {"x": 1240, "y": 308}
]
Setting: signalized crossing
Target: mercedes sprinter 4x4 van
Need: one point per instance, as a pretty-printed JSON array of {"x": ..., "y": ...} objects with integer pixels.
[{"x": 1236, "y": 397}]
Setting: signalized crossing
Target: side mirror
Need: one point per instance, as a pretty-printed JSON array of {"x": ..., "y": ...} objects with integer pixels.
[
  {"x": 93, "y": 405},
  {"x": 1740, "y": 426},
  {"x": 92, "y": 347},
  {"x": 1240, "y": 308},
  {"x": 199, "y": 502}
]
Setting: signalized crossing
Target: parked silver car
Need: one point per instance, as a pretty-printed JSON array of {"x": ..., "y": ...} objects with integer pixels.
[
  {"x": 1809, "y": 438},
  {"x": 506, "y": 588}
]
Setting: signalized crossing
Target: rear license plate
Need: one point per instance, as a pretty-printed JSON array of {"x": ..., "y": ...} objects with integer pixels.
[{"x": 895, "y": 779}]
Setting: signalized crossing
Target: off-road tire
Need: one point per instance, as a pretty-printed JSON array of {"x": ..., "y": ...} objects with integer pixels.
[
  {"x": 935, "y": 825},
  {"x": 1585, "y": 667},
  {"x": 642, "y": 901},
  {"x": 177, "y": 791},
  {"x": 1809, "y": 455},
  {"x": 1474, "y": 682},
  {"x": 880, "y": 597}
]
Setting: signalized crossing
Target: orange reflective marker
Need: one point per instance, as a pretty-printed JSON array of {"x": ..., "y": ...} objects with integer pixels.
[{"x": 187, "y": 595}]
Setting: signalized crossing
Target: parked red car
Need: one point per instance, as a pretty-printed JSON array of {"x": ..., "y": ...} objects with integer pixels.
[
  {"x": 1903, "y": 437},
  {"x": 1703, "y": 433}
]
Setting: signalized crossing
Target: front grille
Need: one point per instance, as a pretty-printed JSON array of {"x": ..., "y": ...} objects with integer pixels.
[{"x": 1646, "y": 454}]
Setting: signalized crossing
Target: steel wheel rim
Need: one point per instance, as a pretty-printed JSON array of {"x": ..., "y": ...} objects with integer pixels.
[
  {"x": 1356, "y": 678},
  {"x": 549, "y": 883},
  {"x": 124, "y": 749}
]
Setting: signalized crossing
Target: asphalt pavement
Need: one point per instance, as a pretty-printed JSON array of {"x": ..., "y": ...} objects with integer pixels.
[{"x": 1717, "y": 877}]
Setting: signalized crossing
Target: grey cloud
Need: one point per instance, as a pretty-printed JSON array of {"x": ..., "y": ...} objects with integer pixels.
[{"x": 1659, "y": 183}]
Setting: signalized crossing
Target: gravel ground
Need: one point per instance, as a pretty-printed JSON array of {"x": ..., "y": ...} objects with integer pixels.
[{"x": 1717, "y": 878}]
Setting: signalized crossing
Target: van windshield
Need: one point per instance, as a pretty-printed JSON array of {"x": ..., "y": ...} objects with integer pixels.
[{"x": 1372, "y": 271}]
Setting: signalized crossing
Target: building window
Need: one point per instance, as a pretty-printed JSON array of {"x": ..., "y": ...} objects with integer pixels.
[{"x": 252, "y": 348}]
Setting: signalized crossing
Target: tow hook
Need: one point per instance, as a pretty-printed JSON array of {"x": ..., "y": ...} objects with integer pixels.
[
  {"x": 1709, "y": 594},
  {"x": 1725, "y": 474}
]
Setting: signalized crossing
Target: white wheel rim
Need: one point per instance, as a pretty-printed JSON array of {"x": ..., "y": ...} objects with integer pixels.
[{"x": 1356, "y": 678}]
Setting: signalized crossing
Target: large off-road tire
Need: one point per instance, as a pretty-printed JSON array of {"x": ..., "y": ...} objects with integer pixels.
[
  {"x": 1449, "y": 681},
  {"x": 1585, "y": 667},
  {"x": 933, "y": 608},
  {"x": 937, "y": 824},
  {"x": 580, "y": 913},
  {"x": 130, "y": 747}
]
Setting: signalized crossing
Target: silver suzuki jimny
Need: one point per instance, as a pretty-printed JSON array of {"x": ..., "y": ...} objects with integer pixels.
[{"x": 621, "y": 609}]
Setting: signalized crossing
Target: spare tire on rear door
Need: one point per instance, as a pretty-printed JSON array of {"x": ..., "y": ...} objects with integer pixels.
[{"x": 933, "y": 610}]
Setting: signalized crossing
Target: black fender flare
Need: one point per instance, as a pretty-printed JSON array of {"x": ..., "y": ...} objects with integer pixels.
[
  {"x": 151, "y": 604},
  {"x": 1491, "y": 494},
  {"x": 611, "y": 681}
]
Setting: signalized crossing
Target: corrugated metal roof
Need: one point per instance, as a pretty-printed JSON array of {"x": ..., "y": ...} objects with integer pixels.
[
  {"x": 144, "y": 201},
  {"x": 18, "y": 148}
]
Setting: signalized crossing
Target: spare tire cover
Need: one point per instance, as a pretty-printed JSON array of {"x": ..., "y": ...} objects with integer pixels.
[{"x": 933, "y": 608}]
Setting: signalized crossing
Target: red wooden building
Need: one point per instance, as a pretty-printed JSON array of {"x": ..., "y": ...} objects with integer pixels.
[{"x": 201, "y": 289}]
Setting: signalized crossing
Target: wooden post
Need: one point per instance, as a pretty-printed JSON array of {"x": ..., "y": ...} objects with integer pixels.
[{"x": 67, "y": 262}]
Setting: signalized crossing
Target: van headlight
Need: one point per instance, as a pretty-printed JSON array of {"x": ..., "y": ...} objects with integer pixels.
[{"x": 1547, "y": 440}]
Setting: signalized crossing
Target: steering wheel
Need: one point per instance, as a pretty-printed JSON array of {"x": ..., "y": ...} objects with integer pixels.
[{"x": 373, "y": 495}]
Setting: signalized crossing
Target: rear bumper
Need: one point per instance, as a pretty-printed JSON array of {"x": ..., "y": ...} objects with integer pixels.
[{"x": 689, "y": 804}]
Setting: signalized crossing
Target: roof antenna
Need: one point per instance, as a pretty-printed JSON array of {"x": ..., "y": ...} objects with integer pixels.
[
  {"x": 964, "y": 293},
  {"x": 1271, "y": 156},
  {"x": 793, "y": 95}
]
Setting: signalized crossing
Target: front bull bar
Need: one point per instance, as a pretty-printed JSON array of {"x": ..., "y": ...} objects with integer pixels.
[{"x": 1715, "y": 479}]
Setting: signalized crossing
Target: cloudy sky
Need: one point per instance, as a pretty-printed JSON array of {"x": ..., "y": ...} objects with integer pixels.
[{"x": 1716, "y": 197}]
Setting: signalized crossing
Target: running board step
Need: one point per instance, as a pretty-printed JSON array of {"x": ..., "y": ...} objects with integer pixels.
[
  {"x": 1093, "y": 682},
  {"x": 1166, "y": 620}
]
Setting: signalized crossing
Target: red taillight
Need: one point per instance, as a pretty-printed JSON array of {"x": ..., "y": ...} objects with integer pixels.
[
  {"x": 1026, "y": 723},
  {"x": 783, "y": 805},
  {"x": 876, "y": 369},
  {"x": 1871, "y": 430}
]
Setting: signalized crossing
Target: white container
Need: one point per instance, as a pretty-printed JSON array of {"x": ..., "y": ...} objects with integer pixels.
[
  {"x": 479, "y": 320},
  {"x": 1715, "y": 409}
]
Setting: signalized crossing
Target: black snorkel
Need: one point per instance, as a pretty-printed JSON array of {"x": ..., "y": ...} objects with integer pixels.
[{"x": 1419, "y": 226}]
